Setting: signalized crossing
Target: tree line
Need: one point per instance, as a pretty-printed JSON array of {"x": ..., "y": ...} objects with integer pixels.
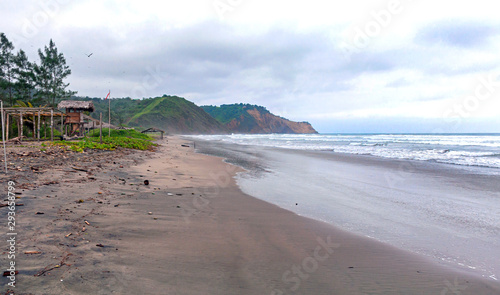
[{"x": 40, "y": 83}]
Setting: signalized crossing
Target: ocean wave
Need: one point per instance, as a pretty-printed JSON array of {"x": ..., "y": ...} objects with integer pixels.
[{"x": 467, "y": 150}]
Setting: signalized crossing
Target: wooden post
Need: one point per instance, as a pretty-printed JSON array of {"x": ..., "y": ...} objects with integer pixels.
[
  {"x": 3, "y": 136},
  {"x": 18, "y": 122},
  {"x": 20, "y": 131},
  {"x": 51, "y": 125},
  {"x": 38, "y": 127},
  {"x": 7, "y": 127},
  {"x": 100, "y": 126},
  {"x": 34, "y": 125},
  {"x": 62, "y": 125}
]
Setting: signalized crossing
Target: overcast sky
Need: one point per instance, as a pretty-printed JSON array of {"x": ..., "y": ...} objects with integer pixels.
[{"x": 344, "y": 66}]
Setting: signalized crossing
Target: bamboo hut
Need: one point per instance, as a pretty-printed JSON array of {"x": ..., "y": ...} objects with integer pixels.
[
  {"x": 75, "y": 117},
  {"x": 34, "y": 118}
]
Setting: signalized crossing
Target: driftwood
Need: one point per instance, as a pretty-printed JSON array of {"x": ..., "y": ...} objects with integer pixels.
[
  {"x": 32, "y": 252},
  {"x": 79, "y": 169},
  {"x": 15, "y": 140},
  {"x": 49, "y": 268},
  {"x": 6, "y": 205},
  {"x": 7, "y": 273}
]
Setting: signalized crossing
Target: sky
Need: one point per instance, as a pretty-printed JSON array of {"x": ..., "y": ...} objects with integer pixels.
[{"x": 360, "y": 66}]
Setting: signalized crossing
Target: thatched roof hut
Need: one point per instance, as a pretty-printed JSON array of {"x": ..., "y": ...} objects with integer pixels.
[
  {"x": 154, "y": 130},
  {"x": 76, "y": 105}
]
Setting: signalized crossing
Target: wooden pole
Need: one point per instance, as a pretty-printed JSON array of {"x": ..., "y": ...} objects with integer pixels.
[
  {"x": 100, "y": 126},
  {"x": 51, "y": 125},
  {"x": 7, "y": 127},
  {"x": 109, "y": 119},
  {"x": 20, "y": 132},
  {"x": 62, "y": 125},
  {"x": 38, "y": 127},
  {"x": 34, "y": 125},
  {"x": 3, "y": 137}
]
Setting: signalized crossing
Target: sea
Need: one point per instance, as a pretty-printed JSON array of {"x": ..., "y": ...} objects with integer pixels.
[
  {"x": 459, "y": 149},
  {"x": 436, "y": 195}
]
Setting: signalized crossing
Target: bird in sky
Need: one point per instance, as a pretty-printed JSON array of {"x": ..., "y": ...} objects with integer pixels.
[{"x": 89, "y": 55}]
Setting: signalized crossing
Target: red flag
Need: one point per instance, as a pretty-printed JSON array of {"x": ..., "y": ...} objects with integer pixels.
[{"x": 108, "y": 95}]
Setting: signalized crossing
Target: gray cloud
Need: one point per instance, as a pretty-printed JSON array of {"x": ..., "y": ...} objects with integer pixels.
[
  {"x": 298, "y": 73},
  {"x": 458, "y": 34}
]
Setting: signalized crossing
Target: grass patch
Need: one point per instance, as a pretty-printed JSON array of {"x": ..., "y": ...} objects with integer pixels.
[
  {"x": 129, "y": 139},
  {"x": 131, "y": 133}
]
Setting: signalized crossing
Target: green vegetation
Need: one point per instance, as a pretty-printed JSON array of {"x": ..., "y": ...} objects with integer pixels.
[
  {"x": 228, "y": 112},
  {"x": 247, "y": 118},
  {"x": 171, "y": 114},
  {"x": 237, "y": 112},
  {"x": 50, "y": 75},
  {"x": 130, "y": 139},
  {"x": 21, "y": 79},
  {"x": 130, "y": 133}
]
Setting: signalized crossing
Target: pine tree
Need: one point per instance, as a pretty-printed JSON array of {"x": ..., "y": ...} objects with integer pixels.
[
  {"x": 6, "y": 66},
  {"x": 24, "y": 76},
  {"x": 50, "y": 75}
]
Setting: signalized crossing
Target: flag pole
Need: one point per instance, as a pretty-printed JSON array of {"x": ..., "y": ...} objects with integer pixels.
[{"x": 109, "y": 119}]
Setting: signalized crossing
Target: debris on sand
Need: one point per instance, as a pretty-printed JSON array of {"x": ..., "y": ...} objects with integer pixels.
[
  {"x": 7, "y": 273},
  {"x": 32, "y": 252},
  {"x": 49, "y": 268}
]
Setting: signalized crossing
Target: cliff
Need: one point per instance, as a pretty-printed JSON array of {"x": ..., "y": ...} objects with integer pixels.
[{"x": 246, "y": 118}]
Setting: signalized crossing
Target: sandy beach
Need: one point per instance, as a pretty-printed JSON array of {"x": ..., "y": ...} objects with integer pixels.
[{"x": 95, "y": 227}]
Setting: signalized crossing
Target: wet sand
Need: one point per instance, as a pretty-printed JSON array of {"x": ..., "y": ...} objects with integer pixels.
[{"x": 192, "y": 231}]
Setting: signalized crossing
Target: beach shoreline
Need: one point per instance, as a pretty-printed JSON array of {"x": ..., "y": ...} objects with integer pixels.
[
  {"x": 192, "y": 231},
  {"x": 441, "y": 211}
]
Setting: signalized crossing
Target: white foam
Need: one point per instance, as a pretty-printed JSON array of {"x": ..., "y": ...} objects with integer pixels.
[{"x": 466, "y": 150}]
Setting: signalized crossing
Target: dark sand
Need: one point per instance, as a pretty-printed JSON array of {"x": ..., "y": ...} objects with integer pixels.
[{"x": 192, "y": 231}]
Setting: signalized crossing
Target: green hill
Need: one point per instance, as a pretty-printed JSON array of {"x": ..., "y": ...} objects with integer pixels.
[
  {"x": 246, "y": 118},
  {"x": 229, "y": 112},
  {"x": 176, "y": 115},
  {"x": 172, "y": 114}
]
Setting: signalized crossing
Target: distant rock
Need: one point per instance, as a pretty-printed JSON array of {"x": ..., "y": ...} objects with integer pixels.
[{"x": 246, "y": 118}]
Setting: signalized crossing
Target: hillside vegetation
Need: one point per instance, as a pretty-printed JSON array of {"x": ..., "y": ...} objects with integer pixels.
[
  {"x": 172, "y": 114},
  {"x": 177, "y": 115},
  {"x": 246, "y": 118}
]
